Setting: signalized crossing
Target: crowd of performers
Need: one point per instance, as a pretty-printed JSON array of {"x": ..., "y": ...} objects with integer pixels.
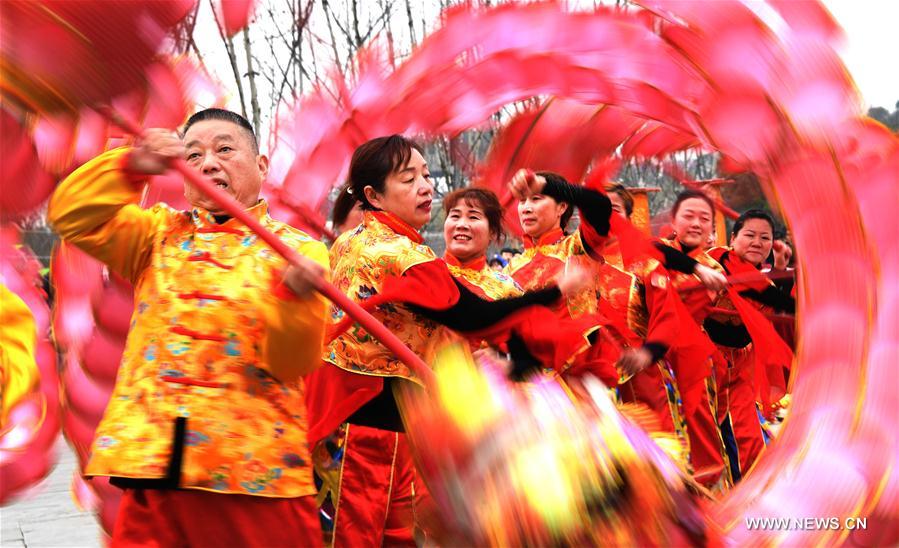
[{"x": 238, "y": 378}]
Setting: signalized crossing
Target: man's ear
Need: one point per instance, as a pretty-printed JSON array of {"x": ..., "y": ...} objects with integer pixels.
[{"x": 263, "y": 164}]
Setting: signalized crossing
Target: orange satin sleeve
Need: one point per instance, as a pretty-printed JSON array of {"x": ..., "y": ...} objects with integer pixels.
[
  {"x": 96, "y": 208},
  {"x": 19, "y": 374}
]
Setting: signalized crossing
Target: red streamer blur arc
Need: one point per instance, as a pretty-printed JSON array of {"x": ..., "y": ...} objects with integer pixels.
[
  {"x": 776, "y": 102},
  {"x": 834, "y": 173}
]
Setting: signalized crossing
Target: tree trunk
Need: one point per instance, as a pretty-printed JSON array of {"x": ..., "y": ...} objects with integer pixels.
[{"x": 411, "y": 25}]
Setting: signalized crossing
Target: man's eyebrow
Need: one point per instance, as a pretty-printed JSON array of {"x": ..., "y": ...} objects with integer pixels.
[{"x": 222, "y": 137}]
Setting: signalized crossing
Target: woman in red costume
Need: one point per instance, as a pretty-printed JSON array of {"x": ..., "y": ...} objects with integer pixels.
[
  {"x": 546, "y": 204},
  {"x": 640, "y": 292},
  {"x": 473, "y": 221},
  {"x": 738, "y": 391},
  {"x": 692, "y": 221},
  {"x": 376, "y": 498}
]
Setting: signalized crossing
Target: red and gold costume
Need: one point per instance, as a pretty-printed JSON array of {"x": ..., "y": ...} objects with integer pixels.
[
  {"x": 741, "y": 385},
  {"x": 698, "y": 300},
  {"x": 374, "y": 501},
  {"x": 383, "y": 263},
  {"x": 707, "y": 452},
  {"x": 642, "y": 296},
  {"x": 542, "y": 261},
  {"x": 209, "y": 394},
  {"x": 545, "y": 258},
  {"x": 483, "y": 281},
  {"x": 536, "y": 325},
  {"x": 363, "y": 260},
  {"x": 379, "y": 249}
]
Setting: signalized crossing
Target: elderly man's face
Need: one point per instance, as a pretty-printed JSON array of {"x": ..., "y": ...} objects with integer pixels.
[{"x": 224, "y": 152}]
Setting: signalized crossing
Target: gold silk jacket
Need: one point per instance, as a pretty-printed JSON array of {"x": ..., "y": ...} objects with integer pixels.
[
  {"x": 483, "y": 280},
  {"x": 216, "y": 343},
  {"x": 362, "y": 259}
]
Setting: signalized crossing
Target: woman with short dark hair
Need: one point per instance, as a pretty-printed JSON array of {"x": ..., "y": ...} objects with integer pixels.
[
  {"x": 752, "y": 240},
  {"x": 474, "y": 220},
  {"x": 546, "y": 202},
  {"x": 693, "y": 216}
]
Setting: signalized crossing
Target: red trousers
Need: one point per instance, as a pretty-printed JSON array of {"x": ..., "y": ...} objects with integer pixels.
[
  {"x": 737, "y": 402},
  {"x": 376, "y": 499},
  {"x": 648, "y": 387},
  {"x": 707, "y": 455},
  {"x": 167, "y": 518}
]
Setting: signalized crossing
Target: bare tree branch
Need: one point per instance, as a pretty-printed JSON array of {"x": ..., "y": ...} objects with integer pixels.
[
  {"x": 232, "y": 58},
  {"x": 183, "y": 34},
  {"x": 328, "y": 18},
  {"x": 251, "y": 76},
  {"x": 343, "y": 30},
  {"x": 382, "y": 20}
]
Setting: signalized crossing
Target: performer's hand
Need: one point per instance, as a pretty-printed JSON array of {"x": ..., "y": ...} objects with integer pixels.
[
  {"x": 572, "y": 280},
  {"x": 634, "y": 360},
  {"x": 491, "y": 356},
  {"x": 526, "y": 183},
  {"x": 303, "y": 277},
  {"x": 782, "y": 255},
  {"x": 710, "y": 278},
  {"x": 153, "y": 154}
]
